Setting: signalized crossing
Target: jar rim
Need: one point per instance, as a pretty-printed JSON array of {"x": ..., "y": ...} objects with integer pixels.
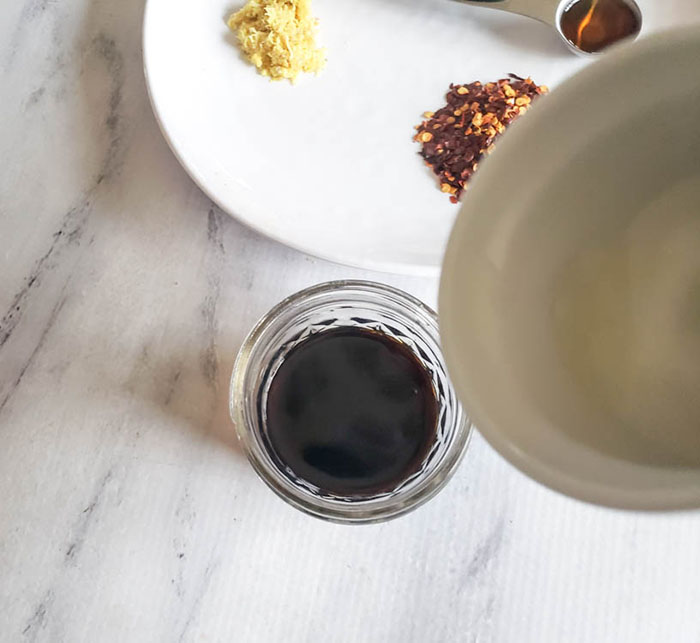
[{"x": 355, "y": 510}]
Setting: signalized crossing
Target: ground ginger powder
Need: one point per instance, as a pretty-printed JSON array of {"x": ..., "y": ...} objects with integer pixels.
[{"x": 278, "y": 37}]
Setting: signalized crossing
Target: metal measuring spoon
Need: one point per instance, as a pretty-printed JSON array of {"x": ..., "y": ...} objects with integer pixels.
[{"x": 557, "y": 13}]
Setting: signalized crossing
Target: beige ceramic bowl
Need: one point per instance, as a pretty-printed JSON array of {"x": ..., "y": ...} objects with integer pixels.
[{"x": 570, "y": 295}]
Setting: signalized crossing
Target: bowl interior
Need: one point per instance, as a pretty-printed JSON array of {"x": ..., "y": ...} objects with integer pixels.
[{"x": 570, "y": 297}]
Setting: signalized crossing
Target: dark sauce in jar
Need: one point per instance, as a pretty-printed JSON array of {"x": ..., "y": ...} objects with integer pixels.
[
  {"x": 593, "y": 25},
  {"x": 351, "y": 411}
]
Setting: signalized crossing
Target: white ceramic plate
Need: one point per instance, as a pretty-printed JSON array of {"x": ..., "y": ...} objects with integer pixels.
[{"x": 329, "y": 166}]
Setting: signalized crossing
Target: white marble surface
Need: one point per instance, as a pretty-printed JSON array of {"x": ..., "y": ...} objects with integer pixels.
[{"x": 128, "y": 512}]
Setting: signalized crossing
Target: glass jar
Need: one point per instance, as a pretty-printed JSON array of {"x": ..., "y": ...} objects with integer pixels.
[{"x": 328, "y": 306}]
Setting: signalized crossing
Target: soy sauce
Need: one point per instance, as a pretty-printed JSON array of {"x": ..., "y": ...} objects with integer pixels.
[
  {"x": 351, "y": 411},
  {"x": 593, "y": 25}
]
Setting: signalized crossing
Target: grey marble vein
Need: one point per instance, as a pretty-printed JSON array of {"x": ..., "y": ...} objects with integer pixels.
[
  {"x": 31, "y": 10},
  {"x": 42, "y": 612},
  {"x": 200, "y": 595},
  {"x": 34, "y": 97},
  {"x": 172, "y": 385},
  {"x": 40, "y": 344},
  {"x": 73, "y": 222},
  {"x": 208, "y": 309},
  {"x": 82, "y": 525},
  {"x": 37, "y": 621},
  {"x": 485, "y": 553},
  {"x": 67, "y": 236},
  {"x": 215, "y": 222},
  {"x": 108, "y": 52},
  {"x": 186, "y": 516}
]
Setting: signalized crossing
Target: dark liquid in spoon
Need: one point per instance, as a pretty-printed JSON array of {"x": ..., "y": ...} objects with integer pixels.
[
  {"x": 351, "y": 411},
  {"x": 593, "y": 25}
]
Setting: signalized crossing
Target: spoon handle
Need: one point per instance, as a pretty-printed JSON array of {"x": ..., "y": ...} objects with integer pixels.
[{"x": 542, "y": 10}]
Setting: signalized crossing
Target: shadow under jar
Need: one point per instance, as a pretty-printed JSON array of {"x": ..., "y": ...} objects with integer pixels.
[{"x": 341, "y": 400}]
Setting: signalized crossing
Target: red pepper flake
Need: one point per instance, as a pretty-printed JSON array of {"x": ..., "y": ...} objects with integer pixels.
[{"x": 454, "y": 138}]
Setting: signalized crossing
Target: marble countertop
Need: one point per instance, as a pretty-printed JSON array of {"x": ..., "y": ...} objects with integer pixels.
[{"x": 128, "y": 512}]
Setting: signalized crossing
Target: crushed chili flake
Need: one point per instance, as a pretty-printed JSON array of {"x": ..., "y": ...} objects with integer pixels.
[{"x": 454, "y": 138}]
